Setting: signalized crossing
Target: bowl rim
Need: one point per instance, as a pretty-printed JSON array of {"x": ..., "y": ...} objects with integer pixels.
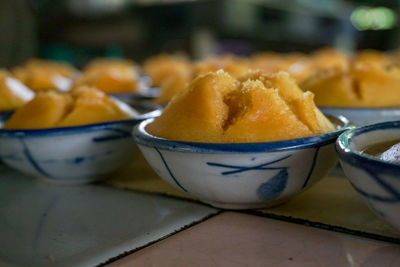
[
  {"x": 151, "y": 92},
  {"x": 142, "y": 137},
  {"x": 359, "y": 108},
  {"x": 353, "y": 156},
  {"x": 79, "y": 128}
]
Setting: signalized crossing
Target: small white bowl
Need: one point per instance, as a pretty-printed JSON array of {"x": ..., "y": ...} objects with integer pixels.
[
  {"x": 240, "y": 175},
  {"x": 71, "y": 155},
  {"x": 377, "y": 181},
  {"x": 364, "y": 116},
  {"x": 145, "y": 92}
]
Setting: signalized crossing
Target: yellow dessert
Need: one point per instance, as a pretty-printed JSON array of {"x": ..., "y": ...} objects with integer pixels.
[
  {"x": 171, "y": 73},
  {"x": 173, "y": 84},
  {"x": 43, "y": 75},
  {"x": 84, "y": 105},
  {"x": 13, "y": 93},
  {"x": 111, "y": 76},
  {"x": 328, "y": 58},
  {"x": 162, "y": 66},
  {"x": 296, "y": 64},
  {"x": 370, "y": 57},
  {"x": 233, "y": 65},
  {"x": 257, "y": 107},
  {"x": 371, "y": 84}
]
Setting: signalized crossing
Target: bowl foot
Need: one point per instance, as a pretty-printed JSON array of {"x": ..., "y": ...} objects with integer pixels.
[{"x": 245, "y": 206}]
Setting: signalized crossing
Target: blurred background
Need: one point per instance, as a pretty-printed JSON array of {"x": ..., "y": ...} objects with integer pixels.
[{"x": 79, "y": 30}]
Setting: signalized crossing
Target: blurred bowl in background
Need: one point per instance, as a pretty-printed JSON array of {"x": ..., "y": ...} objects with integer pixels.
[
  {"x": 72, "y": 155},
  {"x": 364, "y": 116}
]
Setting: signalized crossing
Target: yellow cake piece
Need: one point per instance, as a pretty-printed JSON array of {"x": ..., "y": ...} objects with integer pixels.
[
  {"x": 44, "y": 111},
  {"x": 257, "y": 107},
  {"x": 43, "y": 75},
  {"x": 85, "y": 105},
  {"x": 173, "y": 85},
  {"x": 160, "y": 67},
  {"x": 171, "y": 73},
  {"x": 296, "y": 64},
  {"x": 377, "y": 85},
  {"x": 264, "y": 116},
  {"x": 197, "y": 113},
  {"x": 373, "y": 84},
  {"x": 13, "y": 93},
  {"x": 91, "y": 106},
  {"x": 370, "y": 57},
  {"x": 302, "y": 104},
  {"x": 111, "y": 76},
  {"x": 233, "y": 65},
  {"x": 328, "y": 58}
]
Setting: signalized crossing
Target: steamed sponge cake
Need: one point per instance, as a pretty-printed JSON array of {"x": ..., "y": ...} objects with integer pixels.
[
  {"x": 42, "y": 75},
  {"x": 44, "y": 111},
  {"x": 233, "y": 65},
  {"x": 110, "y": 76},
  {"x": 92, "y": 106},
  {"x": 50, "y": 109},
  {"x": 256, "y": 108},
  {"x": 162, "y": 66},
  {"x": 13, "y": 93},
  {"x": 198, "y": 112},
  {"x": 363, "y": 85},
  {"x": 300, "y": 103},
  {"x": 265, "y": 116},
  {"x": 333, "y": 88},
  {"x": 173, "y": 84},
  {"x": 378, "y": 85}
]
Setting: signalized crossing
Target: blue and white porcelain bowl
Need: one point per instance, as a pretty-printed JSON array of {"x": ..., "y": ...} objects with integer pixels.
[
  {"x": 240, "y": 175},
  {"x": 377, "y": 181},
  {"x": 364, "y": 116},
  {"x": 71, "y": 155},
  {"x": 132, "y": 98}
]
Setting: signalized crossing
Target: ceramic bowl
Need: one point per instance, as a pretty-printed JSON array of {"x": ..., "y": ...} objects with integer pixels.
[
  {"x": 131, "y": 98},
  {"x": 240, "y": 175},
  {"x": 72, "y": 155},
  {"x": 364, "y": 116},
  {"x": 377, "y": 181}
]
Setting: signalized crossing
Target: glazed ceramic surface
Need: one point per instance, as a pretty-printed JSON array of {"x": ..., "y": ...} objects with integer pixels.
[
  {"x": 71, "y": 155},
  {"x": 132, "y": 98},
  {"x": 243, "y": 175},
  {"x": 145, "y": 92},
  {"x": 364, "y": 116},
  {"x": 377, "y": 181}
]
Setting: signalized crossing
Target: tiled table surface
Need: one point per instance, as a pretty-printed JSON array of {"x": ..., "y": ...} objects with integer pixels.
[
  {"x": 235, "y": 239},
  {"x": 46, "y": 225}
]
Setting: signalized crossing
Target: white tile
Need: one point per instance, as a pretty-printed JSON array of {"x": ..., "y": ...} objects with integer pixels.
[{"x": 46, "y": 225}]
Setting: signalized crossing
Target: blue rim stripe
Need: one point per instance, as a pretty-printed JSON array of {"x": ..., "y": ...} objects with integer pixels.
[
  {"x": 141, "y": 137},
  {"x": 76, "y": 129},
  {"x": 327, "y": 108}
]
